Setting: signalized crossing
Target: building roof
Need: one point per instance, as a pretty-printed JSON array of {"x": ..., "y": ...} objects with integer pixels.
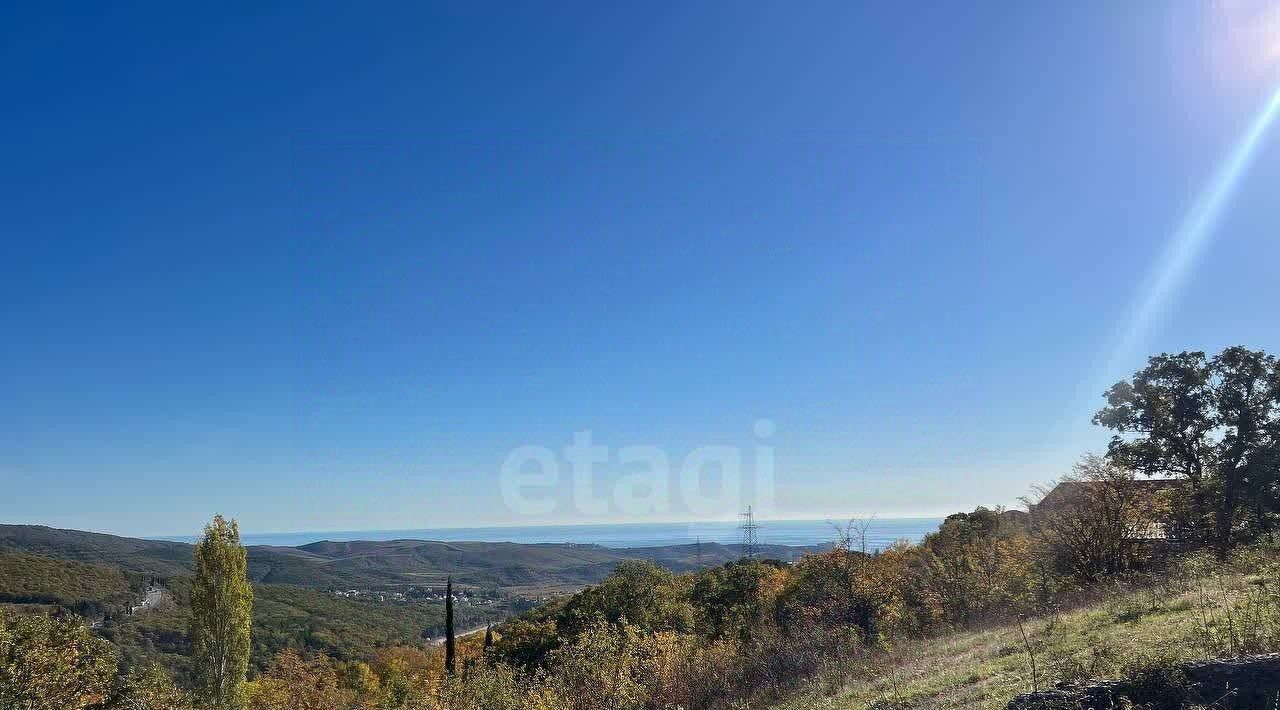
[{"x": 1068, "y": 493}]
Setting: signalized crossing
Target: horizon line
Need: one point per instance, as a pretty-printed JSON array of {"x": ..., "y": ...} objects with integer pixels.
[{"x": 513, "y": 526}]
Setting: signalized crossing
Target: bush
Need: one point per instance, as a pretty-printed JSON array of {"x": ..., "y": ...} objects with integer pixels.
[
  {"x": 57, "y": 664},
  {"x": 53, "y": 664},
  {"x": 294, "y": 683}
]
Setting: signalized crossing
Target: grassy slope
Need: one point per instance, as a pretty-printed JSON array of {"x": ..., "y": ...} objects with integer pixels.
[{"x": 986, "y": 669}]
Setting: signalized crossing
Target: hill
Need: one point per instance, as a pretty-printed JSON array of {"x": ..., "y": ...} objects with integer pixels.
[
  {"x": 291, "y": 617},
  {"x": 131, "y": 554},
  {"x": 523, "y": 568},
  {"x": 101, "y": 577},
  {"x": 86, "y": 589},
  {"x": 283, "y": 615}
]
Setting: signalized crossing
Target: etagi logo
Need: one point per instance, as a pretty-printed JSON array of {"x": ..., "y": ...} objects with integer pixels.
[{"x": 710, "y": 480}]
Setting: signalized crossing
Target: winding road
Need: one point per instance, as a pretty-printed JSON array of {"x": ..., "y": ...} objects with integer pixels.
[
  {"x": 468, "y": 632},
  {"x": 152, "y": 599}
]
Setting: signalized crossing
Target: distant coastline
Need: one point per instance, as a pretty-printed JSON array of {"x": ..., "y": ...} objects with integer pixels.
[{"x": 881, "y": 533}]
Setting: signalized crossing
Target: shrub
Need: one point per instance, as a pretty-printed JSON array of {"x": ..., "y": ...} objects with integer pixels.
[
  {"x": 294, "y": 683},
  {"x": 53, "y": 664},
  {"x": 57, "y": 664}
]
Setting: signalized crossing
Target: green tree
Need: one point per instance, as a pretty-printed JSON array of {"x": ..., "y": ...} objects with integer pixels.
[
  {"x": 972, "y": 567},
  {"x": 150, "y": 689},
  {"x": 639, "y": 592},
  {"x": 359, "y": 678},
  {"x": 1214, "y": 422},
  {"x": 844, "y": 589},
  {"x": 58, "y": 664},
  {"x": 53, "y": 664},
  {"x": 295, "y": 683},
  {"x": 603, "y": 667},
  {"x": 526, "y": 642},
  {"x": 221, "y": 609},
  {"x": 730, "y": 600}
]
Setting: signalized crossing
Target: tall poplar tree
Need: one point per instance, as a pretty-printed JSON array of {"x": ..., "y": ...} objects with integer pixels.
[{"x": 221, "y": 609}]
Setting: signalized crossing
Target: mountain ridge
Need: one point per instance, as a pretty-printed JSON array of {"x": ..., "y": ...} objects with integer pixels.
[{"x": 381, "y": 563}]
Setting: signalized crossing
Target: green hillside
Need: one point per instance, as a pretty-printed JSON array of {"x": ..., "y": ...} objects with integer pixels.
[
  {"x": 292, "y": 617},
  {"x": 102, "y": 576},
  {"x": 380, "y": 564},
  {"x": 130, "y": 554},
  {"x": 283, "y": 615},
  {"x": 87, "y": 589}
]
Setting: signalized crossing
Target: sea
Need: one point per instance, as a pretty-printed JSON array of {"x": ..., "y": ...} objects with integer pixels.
[{"x": 879, "y": 533}]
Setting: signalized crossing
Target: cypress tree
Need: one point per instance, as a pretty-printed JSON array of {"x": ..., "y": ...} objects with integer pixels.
[
  {"x": 488, "y": 636},
  {"x": 221, "y": 615},
  {"x": 450, "y": 651}
]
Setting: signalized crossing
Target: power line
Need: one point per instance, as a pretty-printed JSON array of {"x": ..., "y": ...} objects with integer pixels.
[{"x": 750, "y": 539}]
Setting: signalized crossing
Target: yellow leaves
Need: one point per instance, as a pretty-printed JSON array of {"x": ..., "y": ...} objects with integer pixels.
[
  {"x": 48, "y": 664},
  {"x": 359, "y": 678},
  {"x": 845, "y": 589},
  {"x": 294, "y": 683},
  {"x": 400, "y": 661},
  {"x": 772, "y": 584}
]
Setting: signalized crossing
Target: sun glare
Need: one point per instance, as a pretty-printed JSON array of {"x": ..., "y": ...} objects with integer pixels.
[
  {"x": 1245, "y": 39},
  {"x": 1187, "y": 244}
]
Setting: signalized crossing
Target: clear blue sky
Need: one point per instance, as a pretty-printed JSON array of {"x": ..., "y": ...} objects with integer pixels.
[{"x": 323, "y": 266}]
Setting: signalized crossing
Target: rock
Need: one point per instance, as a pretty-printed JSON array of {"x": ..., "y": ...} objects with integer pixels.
[
  {"x": 1247, "y": 683},
  {"x": 1061, "y": 699},
  {"x": 1251, "y": 682},
  {"x": 1097, "y": 696}
]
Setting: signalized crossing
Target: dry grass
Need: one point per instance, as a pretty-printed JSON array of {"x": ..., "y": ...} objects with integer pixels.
[{"x": 985, "y": 669}]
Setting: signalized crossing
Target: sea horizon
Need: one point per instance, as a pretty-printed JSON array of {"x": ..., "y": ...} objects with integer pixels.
[{"x": 880, "y": 533}]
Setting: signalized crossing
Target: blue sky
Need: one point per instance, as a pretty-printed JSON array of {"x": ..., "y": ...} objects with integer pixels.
[{"x": 322, "y": 266}]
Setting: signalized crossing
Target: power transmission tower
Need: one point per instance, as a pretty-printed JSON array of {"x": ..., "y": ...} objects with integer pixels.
[{"x": 750, "y": 540}]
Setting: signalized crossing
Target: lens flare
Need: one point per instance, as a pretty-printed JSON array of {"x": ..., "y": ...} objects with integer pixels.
[{"x": 1188, "y": 243}]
